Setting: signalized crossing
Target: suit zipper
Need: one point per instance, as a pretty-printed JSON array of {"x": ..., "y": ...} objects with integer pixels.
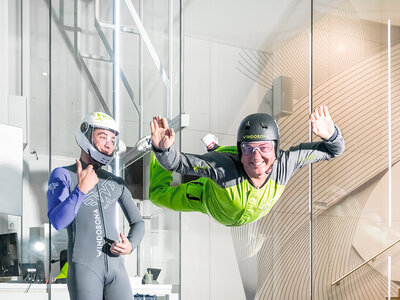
[{"x": 104, "y": 226}]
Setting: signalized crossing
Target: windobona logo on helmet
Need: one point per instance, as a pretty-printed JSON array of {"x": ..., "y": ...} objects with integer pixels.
[{"x": 255, "y": 136}]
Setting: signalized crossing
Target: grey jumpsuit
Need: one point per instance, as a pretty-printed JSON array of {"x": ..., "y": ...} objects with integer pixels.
[{"x": 94, "y": 273}]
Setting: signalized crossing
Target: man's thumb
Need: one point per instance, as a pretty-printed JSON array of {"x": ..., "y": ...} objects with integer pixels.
[
  {"x": 123, "y": 238},
  {"x": 78, "y": 167}
]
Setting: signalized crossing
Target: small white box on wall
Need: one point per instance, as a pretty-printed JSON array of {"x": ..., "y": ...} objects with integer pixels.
[
  {"x": 282, "y": 97},
  {"x": 18, "y": 114},
  {"x": 11, "y": 164},
  {"x": 185, "y": 118}
]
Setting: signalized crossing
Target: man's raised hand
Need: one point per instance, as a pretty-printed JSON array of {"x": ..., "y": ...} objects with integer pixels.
[
  {"x": 87, "y": 179},
  {"x": 322, "y": 123},
  {"x": 162, "y": 136}
]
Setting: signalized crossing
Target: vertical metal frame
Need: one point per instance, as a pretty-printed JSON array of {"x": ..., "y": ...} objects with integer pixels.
[
  {"x": 389, "y": 62},
  {"x": 116, "y": 77},
  {"x": 141, "y": 112},
  {"x": 310, "y": 168},
  {"x": 49, "y": 78},
  {"x": 170, "y": 59}
]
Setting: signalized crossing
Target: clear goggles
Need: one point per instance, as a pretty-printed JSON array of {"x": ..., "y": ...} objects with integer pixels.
[{"x": 264, "y": 148}]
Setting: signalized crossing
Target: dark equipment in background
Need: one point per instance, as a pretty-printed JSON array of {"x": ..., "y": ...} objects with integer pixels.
[
  {"x": 63, "y": 258},
  {"x": 8, "y": 255},
  {"x": 151, "y": 275},
  {"x": 144, "y": 297},
  {"x": 33, "y": 272},
  {"x": 134, "y": 178}
]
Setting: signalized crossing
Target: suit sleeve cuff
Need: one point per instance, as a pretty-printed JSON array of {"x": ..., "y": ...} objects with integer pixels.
[{"x": 333, "y": 137}]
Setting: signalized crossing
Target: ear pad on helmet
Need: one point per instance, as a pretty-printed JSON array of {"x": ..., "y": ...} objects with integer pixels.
[{"x": 84, "y": 127}]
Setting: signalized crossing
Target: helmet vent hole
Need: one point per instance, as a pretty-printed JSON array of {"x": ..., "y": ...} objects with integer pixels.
[
  {"x": 263, "y": 125},
  {"x": 247, "y": 125}
]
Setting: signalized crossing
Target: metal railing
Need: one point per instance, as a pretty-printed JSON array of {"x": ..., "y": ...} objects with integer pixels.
[
  {"x": 73, "y": 48},
  {"x": 364, "y": 263}
]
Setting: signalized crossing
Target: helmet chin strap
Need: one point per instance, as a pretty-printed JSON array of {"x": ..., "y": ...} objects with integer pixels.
[
  {"x": 89, "y": 160},
  {"x": 94, "y": 161}
]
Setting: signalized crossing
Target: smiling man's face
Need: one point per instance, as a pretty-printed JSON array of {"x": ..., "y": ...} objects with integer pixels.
[
  {"x": 104, "y": 141},
  {"x": 257, "y": 158}
]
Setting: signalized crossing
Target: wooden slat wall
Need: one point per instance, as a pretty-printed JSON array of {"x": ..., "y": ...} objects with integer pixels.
[{"x": 278, "y": 244}]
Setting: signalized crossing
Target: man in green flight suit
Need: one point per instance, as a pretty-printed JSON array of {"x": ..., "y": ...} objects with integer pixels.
[{"x": 239, "y": 184}]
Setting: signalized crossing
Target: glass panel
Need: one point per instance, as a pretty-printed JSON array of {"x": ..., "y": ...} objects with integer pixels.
[
  {"x": 24, "y": 161},
  {"x": 248, "y": 58},
  {"x": 351, "y": 194},
  {"x": 286, "y": 227},
  {"x": 24, "y": 108},
  {"x": 85, "y": 44},
  {"x": 36, "y": 158}
]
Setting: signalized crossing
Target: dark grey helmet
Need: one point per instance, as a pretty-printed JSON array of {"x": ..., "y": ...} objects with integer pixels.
[{"x": 258, "y": 127}]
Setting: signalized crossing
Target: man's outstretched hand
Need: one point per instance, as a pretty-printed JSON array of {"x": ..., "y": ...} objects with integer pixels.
[
  {"x": 162, "y": 136},
  {"x": 322, "y": 124}
]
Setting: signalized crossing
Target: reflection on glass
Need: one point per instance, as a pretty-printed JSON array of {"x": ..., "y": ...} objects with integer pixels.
[
  {"x": 232, "y": 63},
  {"x": 353, "y": 71},
  {"x": 101, "y": 63}
]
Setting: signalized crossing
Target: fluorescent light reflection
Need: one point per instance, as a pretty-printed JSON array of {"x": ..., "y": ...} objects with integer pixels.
[
  {"x": 310, "y": 78},
  {"x": 389, "y": 275},
  {"x": 116, "y": 59},
  {"x": 390, "y": 153},
  {"x": 116, "y": 70},
  {"x": 390, "y": 127},
  {"x": 39, "y": 246},
  {"x": 116, "y": 101},
  {"x": 170, "y": 40},
  {"x": 310, "y": 110}
]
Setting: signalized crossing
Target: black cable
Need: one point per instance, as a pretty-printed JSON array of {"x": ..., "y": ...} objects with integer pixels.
[{"x": 32, "y": 278}]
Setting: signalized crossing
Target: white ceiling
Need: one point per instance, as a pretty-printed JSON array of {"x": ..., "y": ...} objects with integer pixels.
[
  {"x": 265, "y": 24},
  {"x": 378, "y": 10}
]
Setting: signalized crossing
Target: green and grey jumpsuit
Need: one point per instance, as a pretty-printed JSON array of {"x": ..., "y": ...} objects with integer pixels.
[{"x": 224, "y": 190}]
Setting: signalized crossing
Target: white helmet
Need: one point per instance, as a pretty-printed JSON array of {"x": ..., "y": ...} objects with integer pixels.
[{"x": 84, "y": 135}]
